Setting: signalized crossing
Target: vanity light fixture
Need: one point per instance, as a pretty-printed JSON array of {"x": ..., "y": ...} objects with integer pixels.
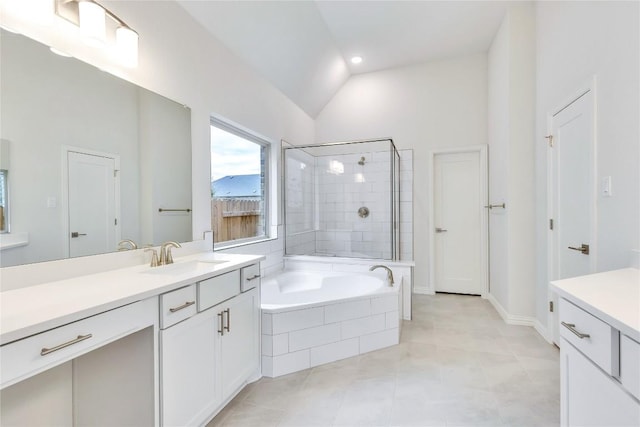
[
  {"x": 98, "y": 25},
  {"x": 93, "y": 23}
]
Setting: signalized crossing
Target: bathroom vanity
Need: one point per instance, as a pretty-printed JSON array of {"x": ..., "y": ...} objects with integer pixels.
[
  {"x": 168, "y": 345},
  {"x": 600, "y": 348}
]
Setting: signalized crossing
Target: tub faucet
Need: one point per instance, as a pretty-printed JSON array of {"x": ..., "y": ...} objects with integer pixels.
[
  {"x": 389, "y": 272},
  {"x": 165, "y": 252}
]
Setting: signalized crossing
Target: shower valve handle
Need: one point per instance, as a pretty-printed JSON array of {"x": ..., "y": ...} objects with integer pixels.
[{"x": 441, "y": 230}]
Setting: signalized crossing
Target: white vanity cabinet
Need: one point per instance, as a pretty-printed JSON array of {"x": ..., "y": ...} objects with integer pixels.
[
  {"x": 187, "y": 370},
  {"x": 206, "y": 358},
  {"x": 238, "y": 335},
  {"x": 136, "y": 346},
  {"x": 599, "y": 361},
  {"x": 74, "y": 374}
]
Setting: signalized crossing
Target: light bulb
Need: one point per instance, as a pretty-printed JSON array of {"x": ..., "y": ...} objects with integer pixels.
[
  {"x": 92, "y": 23},
  {"x": 127, "y": 46},
  {"x": 356, "y": 59}
]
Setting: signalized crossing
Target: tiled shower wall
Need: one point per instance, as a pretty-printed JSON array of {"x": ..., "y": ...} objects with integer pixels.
[
  {"x": 344, "y": 186},
  {"x": 323, "y": 197}
]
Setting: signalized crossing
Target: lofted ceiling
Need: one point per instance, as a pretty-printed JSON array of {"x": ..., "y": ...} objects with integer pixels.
[{"x": 304, "y": 47}]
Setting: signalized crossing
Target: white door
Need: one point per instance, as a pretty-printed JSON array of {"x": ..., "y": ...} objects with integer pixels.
[
  {"x": 239, "y": 347},
  {"x": 572, "y": 194},
  {"x": 458, "y": 220},
  {"x": 92, "y": 204},
  {"x": 187, "y": 370}
]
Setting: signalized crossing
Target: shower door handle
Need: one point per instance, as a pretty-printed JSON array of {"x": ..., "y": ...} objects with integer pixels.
[{"x": 441, "y": 230}]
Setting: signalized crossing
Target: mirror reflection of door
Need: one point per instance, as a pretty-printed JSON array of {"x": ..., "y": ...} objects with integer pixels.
[{"x": 92, "y": 191}]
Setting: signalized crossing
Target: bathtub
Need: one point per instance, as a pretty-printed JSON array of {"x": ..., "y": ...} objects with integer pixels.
[
  {"x": 310, "y": 318},
  {"x": 304, "y": 288}
]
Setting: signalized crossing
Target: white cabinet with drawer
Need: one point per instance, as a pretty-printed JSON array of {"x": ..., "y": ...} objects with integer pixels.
[
  {"x": 589, "y": 397},
  {"x": 208, "y": 354},
  {"x": 217, "y": 289},
  {"x": 599, "y": 350},
  {"x": 176, "y": 306},
  {"x": 24, "y": 358},
  {"x": 593, "y": 337},
  {"x": 249, "y": 277}
]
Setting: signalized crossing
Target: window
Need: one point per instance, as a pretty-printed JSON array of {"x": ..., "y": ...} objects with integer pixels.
[
  {"x": 239, "y": 185},
  {"x": 4, "y": 202}
]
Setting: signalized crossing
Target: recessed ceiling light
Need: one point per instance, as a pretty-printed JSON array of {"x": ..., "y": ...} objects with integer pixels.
[{"x": 356, "y": 59}]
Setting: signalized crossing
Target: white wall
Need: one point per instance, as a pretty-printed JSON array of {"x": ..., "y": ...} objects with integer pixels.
[
  {"x": 433, "y": 105},
  {"x": 181, "y": 61},
  {"x": 575, "y": 41},
  {"x": 511, "y": 88}
]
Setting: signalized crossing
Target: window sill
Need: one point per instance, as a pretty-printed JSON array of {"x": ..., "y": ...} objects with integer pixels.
[
  {"x": 13, "y": 240},
  {"x": 225, "y": 246}
]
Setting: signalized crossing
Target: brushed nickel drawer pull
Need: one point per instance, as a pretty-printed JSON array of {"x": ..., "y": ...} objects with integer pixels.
[
  {"x": 228, "y": 327},
  {"x": 46, "y": 351},
  {"x": 185, "y": 305},
  {"x": 571, "y": 327},
  {"x": 221, "y": 323},
  {"x": 253, "y": 277}
]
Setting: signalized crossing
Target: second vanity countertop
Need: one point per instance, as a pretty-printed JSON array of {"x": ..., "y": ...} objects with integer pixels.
[
  {"x": 613, "y": 296},
  {"x": 34, "y": 309}
]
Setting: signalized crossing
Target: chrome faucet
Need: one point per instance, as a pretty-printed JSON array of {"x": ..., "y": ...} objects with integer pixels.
[
  {"x": 389, "y": 272},
  {"x": 165, "y": 252},
  {"x": 122, "y": 245}
]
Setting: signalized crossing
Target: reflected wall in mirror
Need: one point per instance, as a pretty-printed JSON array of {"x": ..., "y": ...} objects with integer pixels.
[{"x": 93, "y": 158}]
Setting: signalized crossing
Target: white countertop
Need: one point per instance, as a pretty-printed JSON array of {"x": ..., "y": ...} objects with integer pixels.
[
  {"x": 34, "y": 309},
  {"x": 612, "y": 296}
]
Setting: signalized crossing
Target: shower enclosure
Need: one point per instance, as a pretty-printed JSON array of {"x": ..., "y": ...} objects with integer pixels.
[{"x": 342, "y": 199}]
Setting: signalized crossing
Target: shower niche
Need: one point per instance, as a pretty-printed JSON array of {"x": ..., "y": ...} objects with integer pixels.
[{"x": 341, "y": 199}]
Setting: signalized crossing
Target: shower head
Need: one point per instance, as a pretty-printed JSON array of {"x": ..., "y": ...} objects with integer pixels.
[{"x": 361, "y": 161}]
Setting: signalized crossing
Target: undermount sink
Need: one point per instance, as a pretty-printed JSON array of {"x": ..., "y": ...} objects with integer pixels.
[{"x": 178, "y": 268}]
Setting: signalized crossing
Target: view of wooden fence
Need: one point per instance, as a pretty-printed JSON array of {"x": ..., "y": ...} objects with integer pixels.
[{"x": 234, "y": 219}]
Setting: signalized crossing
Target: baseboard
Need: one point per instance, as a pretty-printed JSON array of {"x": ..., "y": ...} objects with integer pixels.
[
  {"x": 511, "y": 319},
  {"x": 543, "y": 331},
  {"x": 423, "y": 291}
]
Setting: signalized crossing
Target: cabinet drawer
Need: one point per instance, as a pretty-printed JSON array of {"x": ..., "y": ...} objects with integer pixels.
[
  {"x": 175, "y": 306},
  {"x": 602, "y": 343},
  {"x": 217, "y": 289},
  {"x": 630, "y": 365},
  {"x": 249, "y": 277},
  {"x": 22, "y": 359}
]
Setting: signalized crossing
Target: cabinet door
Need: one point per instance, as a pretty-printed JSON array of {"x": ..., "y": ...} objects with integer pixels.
[
  {"x": 589, "y": 396},
  {"x": 187, "y": 370},
  {"x": 239, "y": 352}
]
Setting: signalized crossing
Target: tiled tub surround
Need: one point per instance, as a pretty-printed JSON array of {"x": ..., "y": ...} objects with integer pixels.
[{"x": 301, "y": 336}]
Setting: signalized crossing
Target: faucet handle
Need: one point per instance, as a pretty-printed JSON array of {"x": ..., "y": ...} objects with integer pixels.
[{"x": 154, "y": 256}]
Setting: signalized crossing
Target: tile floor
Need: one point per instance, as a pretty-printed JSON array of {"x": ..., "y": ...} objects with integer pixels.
[{"x": 458, "y": 364}]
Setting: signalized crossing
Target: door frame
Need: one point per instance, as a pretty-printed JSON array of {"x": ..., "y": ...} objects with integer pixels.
[
  {"x": 66, "y": 149},
  {"x": 552, "y": 268},
  {"x": 481, "y": 149}
]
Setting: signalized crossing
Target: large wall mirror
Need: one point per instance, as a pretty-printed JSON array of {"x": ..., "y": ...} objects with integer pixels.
[{"x": 93, "y": 160}]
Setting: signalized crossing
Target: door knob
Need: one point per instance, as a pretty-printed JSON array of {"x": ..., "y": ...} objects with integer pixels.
[
  {"x": 583, "y": 248},
  {"x": 75, "y": 234},
  {"x": 440, "y": 230}
]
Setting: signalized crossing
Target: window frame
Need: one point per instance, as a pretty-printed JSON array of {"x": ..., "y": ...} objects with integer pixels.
[{"x": 265, "y": 144}]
